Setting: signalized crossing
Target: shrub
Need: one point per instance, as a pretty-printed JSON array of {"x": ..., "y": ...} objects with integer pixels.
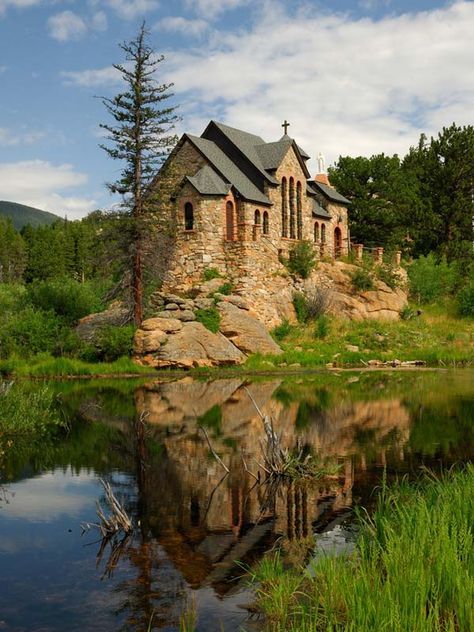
[
  {"x": 465, "y": 299},
  {"x": 361, "y": 280},
  {"x": 225, "y": 288},
  {"x": 430, "y": 279},
  {"x": 388, "y": 275},
  {"x": 211, "y": 273},
  {"x": 65, "y": 297},
  {"x": 30, "y": 332},
  {"x": 112, "y": 342},
  {"x": 210, "y": 318},
  {"x": 322, "y": 327},
  {"x": 408, "y": 313},
  {"x": 282, "y": 330},
  {"x": 299, "y": 303},
  {"x": 301, "y": 259},
  {"x": 318, "y": 302}
]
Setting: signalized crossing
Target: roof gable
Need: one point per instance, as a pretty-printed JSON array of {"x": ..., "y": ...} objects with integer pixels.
[
  {"x": 329, "y": 192},
  {"x": 208, "y": 182}
]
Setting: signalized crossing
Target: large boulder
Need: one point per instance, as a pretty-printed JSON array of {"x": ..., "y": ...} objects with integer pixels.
[
  {"x": 192, "y": 345},
  {"x": 115, "y": 315},
  {"x": 245, "y": 331}
]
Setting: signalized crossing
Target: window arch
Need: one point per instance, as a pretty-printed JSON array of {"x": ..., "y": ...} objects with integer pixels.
[
  {"x": 266, "y": 227},
  {"x": 299, "y": 211},
  {"x": 323, "y": 233},
  {"x": 284, "y": 208},
  {"x": 337, "y": 242},
  {"x": 188, "y": 216},
  {"x": 292, "y": 209},
  {"x": 229, "y": 221},
  {"x": 257, "y": 217},
  {"x": 316, "y": 231}
]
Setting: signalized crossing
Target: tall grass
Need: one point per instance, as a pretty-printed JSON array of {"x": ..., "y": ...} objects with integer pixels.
[
  {"x": 413, "y": 569},
  {"x": 45, "y": 365}
]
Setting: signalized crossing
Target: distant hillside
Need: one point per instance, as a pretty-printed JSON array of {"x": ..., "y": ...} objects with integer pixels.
[{"x": 22, "y": 215}]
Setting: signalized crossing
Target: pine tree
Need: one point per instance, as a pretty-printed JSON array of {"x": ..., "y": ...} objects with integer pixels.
[{"x": 141, "y": 138}]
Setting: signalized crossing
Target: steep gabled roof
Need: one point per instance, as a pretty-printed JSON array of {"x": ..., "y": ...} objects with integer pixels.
[
  {"x": 208, "y": 182},
  {"x": 272, "y": 154},
  {"x": 228, "y": 170},
  {"x": 329, "y": 192},
  {"x": 319, "y": 211}
]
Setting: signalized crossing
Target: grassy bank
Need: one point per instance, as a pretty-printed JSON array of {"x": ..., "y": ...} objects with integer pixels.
[
  {"x": 413, "y": 568},
  {"x": 436, "y": 337},
  {"x": 45, "y": 365}
]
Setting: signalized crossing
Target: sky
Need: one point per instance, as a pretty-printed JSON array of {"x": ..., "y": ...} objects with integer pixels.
[{"x": 353, "y": 78}]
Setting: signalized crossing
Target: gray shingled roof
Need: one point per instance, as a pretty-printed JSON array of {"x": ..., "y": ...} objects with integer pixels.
[
  {"x": 228, "y": 170},
  {"x": 271, "y": 154},
  {"x": 319, "y": 211},
  {"x": 208, "y": 182},
  {"x": 329, "y": 192}
]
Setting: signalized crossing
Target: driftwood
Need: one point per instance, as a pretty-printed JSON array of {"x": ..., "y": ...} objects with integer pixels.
[
  {"x": 214, "y": 453},
  {"x": 115, "y": 523}
]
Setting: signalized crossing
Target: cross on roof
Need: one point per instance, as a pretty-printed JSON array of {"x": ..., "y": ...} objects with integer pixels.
[{"x": 286, "y": 125}]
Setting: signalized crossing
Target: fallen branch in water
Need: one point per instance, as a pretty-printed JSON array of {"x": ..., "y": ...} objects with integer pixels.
[
  {"x": 214, "y": 453},
  {"x": 116, "y": 522}
]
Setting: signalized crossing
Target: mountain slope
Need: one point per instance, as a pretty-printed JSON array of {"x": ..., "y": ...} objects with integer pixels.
[{"x": 22, "y": 215}]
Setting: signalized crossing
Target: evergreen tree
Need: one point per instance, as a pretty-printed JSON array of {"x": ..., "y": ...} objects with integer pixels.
[
  {"x": 141, "y": 138},
  {"x": 12, "y": 253}
]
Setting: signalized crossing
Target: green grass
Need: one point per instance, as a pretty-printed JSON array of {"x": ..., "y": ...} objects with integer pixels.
[
  {"x": 44, "y": 365},
  {"x": 413, "y": 568}
]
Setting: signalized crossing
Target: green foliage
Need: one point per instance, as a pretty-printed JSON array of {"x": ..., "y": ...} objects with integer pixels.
[
  {"x": 323, "y": 325},
  {"x": 281, "y": 331},
  {"x": 112, "y": 342},
  {"x": 65, "y": 297},
  {"x": 21, "y": 215},
  {"x": 361, "y": 279},
  {"x": 210, "y": 318},
  {"x": 212, "y": 419},
  {"x": 302, "y": 260},
  {"x": 27, "y": 408},
  {"x": 299, "y": 303},
  {"x": 465, "y": 298},
  {"x": 211, "y": 273},
  {"x": 225, "y": 288},
  {"x": 388, "y": 275},
  {"x": 12, "y": 253},
  {"x": 430, "y": 279},
  {"x": 408, "y": 313}
]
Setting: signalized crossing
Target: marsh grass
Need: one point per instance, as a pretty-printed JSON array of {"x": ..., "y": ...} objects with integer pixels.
[
  {"x": 45, "y": 365},
  {"x": 413, "y": 568}
]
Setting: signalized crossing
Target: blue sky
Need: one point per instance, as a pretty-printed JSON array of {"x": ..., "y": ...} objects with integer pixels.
[{"x": 353, "y": 78}]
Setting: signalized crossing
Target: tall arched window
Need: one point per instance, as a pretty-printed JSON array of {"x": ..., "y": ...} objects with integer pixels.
[
  {"x": 323, "y": 233},
  {"x": 257, "y": 217},
  {"x": 188, "y": 216},
  {"x": 337, "y": 242},
  {"x": 284, "y": 208},
  {"x": 299, "y": 211},
  {"x": 292, "y": 210},
  {"x": 266, "y": 226},
  {"x": 316, "y": 231},
  {"x": 229, "y": 222}
]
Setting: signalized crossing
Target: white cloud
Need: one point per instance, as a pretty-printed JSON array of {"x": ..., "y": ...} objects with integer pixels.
[
  {"x": 3, "y": 69},
  {"x": 369, "y": 5},
  {"x": 10, "y": 138},
  {"x": 41, "y": 184},
  {"x": 98, "y": 21},
  {"x": 100, "y": 77},
  {"x": 347, "y": 86},
  {"x": 177, "y": 24},
  {"x": 18, "y": 4},
  {"x": 130, "y": 9},
  {"x": 213, "y": 8},
  {"x": 66, "y": 26}
]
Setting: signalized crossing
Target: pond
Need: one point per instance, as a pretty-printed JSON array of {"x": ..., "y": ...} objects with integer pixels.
[{"x": 194, "y": 521}]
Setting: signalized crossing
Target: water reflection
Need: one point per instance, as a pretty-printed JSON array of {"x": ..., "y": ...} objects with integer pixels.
[{"x": 195, "y": 521}]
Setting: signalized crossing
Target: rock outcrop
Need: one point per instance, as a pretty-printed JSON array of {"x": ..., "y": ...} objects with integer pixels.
[
  {"x": 88, "y": 326},
  {"x": 244, "y": 330}
]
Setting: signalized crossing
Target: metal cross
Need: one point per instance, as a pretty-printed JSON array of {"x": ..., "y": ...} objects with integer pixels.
[{"x": 286, "y": 125}]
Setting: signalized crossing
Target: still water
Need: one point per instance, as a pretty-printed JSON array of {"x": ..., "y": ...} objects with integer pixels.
[{"x": 193, "y": 520}]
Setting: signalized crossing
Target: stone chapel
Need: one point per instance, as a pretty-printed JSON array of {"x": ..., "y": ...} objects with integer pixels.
[{"x": 237, "y": 204}]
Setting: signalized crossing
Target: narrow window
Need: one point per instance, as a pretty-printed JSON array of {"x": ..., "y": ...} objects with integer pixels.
[
  {"x": 265, "y": 223},
  {"x": 257, "y": 217},
  {"x": 337, "y": 242},
  {"x": 323, "y": 233},
  {"x": 229, "y": 221},
  {"x": 299, "y": 212},
  {"x": 284, "y": 208},
  {"x": 292, "y": 210},
  {"x": 316, "y": 231},
  {"x": 188, "y": 216}
]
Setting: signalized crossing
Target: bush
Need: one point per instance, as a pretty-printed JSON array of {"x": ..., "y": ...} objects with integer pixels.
[
  {"x": 210, "y": 318},
  {"x": 388, "y": 275},
  {"x": 282, "y": 330},
  {"x": 301, "y": 259},
  {"x": 211, "y": 273},
  {"x": 361, "y": 280},
  {"x": 225, "y": 288},
  {"x": 32, "y": 331},
  {"x": 430, "y": 279},
  {"x": 65, "y": 297},
  {"x": 111, "y": 343},
  {"x": 465, "y": 299},
  {"x": 318, "y": 302},
  {"x": 299, "y": 303},
  {"x": 322, "y": 327}
]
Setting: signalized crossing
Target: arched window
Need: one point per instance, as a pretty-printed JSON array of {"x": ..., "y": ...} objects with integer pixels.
[
  {"x": 299, "y": 211},
  {"x": 257, "y": 217},
  {"x": 188, "y": 216},
  {"x": 337, "y": 242},
  {"x": 265, "y": 223},
  {"x": 292, "y": 210},
  {"x": 229, "y": 222},
  {"x": 316, "y": 231},
  {"x": 284, "y": 208},
  {"x": 323, "y": 233}
]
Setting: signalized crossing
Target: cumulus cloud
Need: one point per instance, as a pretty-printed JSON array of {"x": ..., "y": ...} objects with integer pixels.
[
  {"x": 348, "y": 86},
  {"x": 41, "y": 184},
  {"x": 130, "y": 9},
  {"x": 10, "y": 138},
  {"x": 98, "y": 21},
  {"x": 66, "y": 26},
  {"x": 100, "y": 77},
  {"x": 213, "y": 8},
  {"x": 185, "y": 26},
  {"x": 19, "y": 4}
]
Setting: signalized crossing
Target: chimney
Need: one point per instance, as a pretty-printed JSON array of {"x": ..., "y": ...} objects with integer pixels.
[{"x": 322, "y": 178}]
